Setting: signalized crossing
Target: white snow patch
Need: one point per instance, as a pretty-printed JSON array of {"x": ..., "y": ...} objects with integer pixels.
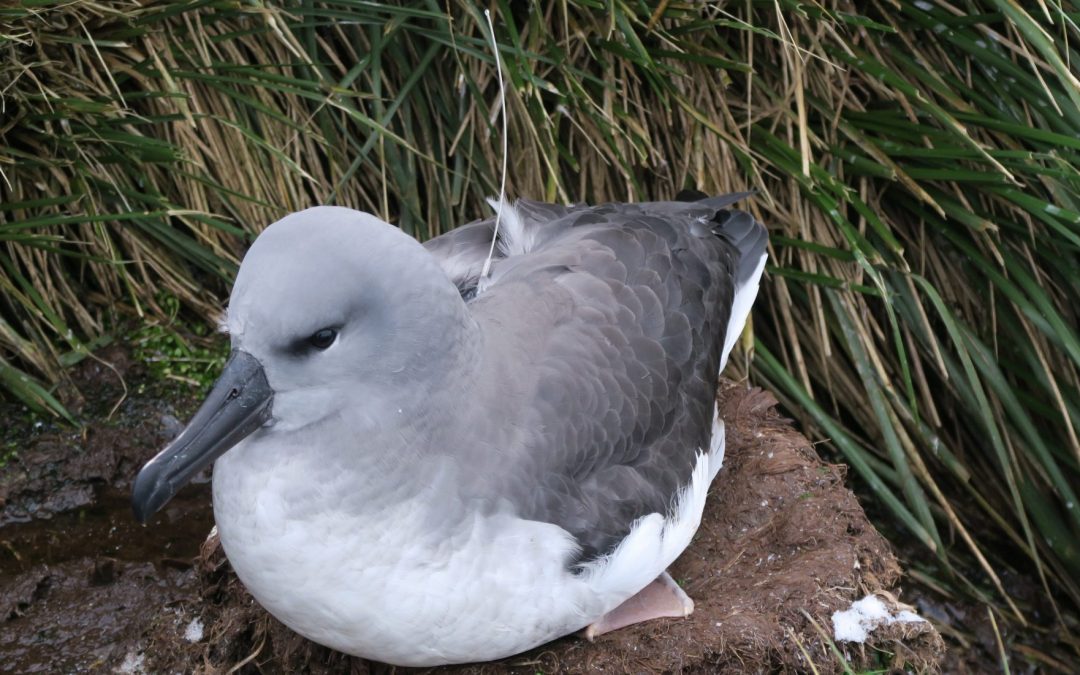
[
  {"x": 864, "y": 616},
  {"x": 134, "y": 664},
  {"x": 194, "y": 630}
]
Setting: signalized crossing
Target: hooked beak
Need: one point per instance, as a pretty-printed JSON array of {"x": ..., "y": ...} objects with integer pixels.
[{"x": 239, "y": 403}]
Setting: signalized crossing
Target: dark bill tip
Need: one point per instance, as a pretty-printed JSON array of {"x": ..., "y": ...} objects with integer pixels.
[{"x": 239, "y": 404}]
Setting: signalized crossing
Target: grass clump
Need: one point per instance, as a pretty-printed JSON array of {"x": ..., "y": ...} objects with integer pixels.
[
  {"x": 178, "y": 351},
  {"x": 917, "y": 163}
]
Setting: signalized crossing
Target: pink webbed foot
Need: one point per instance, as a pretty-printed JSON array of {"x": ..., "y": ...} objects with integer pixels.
[{"x": 661, "y": 599}]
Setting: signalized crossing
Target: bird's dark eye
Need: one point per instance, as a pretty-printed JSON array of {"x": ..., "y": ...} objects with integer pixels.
[{"x": 323, "y": 338}]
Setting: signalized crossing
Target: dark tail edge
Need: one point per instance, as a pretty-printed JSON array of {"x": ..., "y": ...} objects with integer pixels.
[{"x": 742, "y": 230}]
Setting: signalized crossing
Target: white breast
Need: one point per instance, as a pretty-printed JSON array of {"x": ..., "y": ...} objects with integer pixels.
[{"x": 390, "y": 588}]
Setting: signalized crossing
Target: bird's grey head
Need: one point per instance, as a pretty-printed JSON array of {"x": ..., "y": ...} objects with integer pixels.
[
  {"x": 334, "y": 314},
  {"x": 337, "y": 304}
]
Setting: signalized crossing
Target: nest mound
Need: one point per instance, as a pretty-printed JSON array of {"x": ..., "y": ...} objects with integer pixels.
[{"x": 782, "y": 546}]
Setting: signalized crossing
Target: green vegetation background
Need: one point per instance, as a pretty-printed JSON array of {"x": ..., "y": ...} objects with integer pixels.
[{"x": 916, "y": 162}]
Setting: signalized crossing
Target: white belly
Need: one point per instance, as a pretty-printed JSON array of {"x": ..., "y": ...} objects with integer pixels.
[{"x": 386, "y": 587}]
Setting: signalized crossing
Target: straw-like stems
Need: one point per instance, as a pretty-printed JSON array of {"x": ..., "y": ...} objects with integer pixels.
[{"x": 917, "y": 163}]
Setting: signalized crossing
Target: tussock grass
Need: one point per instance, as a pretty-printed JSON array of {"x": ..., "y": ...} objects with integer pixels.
[{"x": 917, "y": 163}]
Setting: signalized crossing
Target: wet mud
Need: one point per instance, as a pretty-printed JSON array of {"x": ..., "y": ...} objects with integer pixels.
[{"x": 783, "y": 544}]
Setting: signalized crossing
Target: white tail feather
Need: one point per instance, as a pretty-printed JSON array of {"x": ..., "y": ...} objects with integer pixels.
[{"x": 740, "y": 310}]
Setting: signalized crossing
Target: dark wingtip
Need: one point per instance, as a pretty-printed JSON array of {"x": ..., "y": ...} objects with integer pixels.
[
  {"x": 723, "y": 201},
  {"x": 749, "y": 237},
  {"x": 716, "y": 201},
  {"x": 690, "y": 195}
]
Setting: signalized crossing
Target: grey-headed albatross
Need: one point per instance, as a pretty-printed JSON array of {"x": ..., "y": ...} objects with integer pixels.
[{"x": 421, "y": 466}]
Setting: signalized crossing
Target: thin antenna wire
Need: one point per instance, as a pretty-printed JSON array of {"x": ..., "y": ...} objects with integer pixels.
[{"x": 502, "y": 187}]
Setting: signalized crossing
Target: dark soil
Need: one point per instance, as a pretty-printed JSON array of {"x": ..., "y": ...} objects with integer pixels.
[
  {"x": 783, "y": 544},
  {"x": 79, "y": 578}
]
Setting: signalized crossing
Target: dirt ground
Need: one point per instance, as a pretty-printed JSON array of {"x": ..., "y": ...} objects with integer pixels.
[{"x": 783, "y": 544}]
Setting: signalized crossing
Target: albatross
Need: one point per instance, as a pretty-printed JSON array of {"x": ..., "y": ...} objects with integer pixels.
[{"x": 421, "y": 465}]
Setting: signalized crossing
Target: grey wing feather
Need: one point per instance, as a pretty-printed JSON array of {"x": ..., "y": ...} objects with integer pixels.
[
  {"x": 461, "y": 252},
  {"x": 631, "y": 305}
]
